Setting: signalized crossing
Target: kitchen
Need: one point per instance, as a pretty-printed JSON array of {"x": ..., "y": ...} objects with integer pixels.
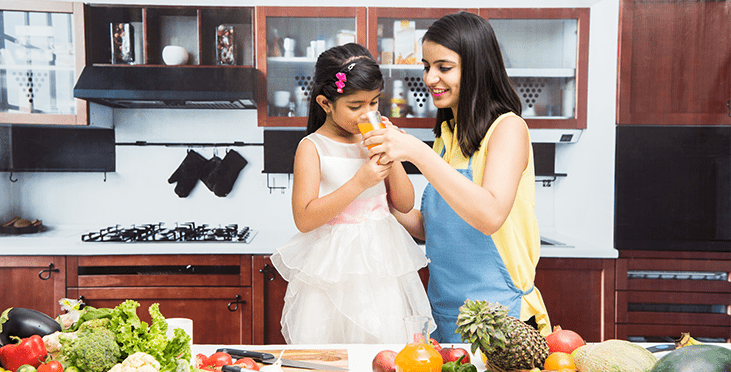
[{"x": 577, "y": 210}]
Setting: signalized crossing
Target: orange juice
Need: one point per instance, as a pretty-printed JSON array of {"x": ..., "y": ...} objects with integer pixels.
[
  {"x": 374, "y": 122},
  {"x": 418, "y": 357}
]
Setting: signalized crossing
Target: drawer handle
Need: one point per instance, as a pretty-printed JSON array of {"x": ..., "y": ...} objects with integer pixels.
[
  {"x": 235, "y": 303},
  {"x": 268, "y": 272},
  {"x": 51, "y": 269}
]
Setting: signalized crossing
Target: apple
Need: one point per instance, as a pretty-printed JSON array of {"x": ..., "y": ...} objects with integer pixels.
[
  {"x": 435, "y": 345},
  {"x": 384, "y": 361},
  {"x": 452, "y": 354}
]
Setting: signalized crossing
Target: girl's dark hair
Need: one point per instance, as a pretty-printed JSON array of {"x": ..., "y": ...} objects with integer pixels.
[
  {"x": 485, "y": 91},
  {"x": 364, "y": 74}
]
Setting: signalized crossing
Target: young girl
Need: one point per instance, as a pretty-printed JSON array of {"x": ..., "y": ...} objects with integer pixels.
[
  {"x": 352, "y": 269},
  {"x": 477, "y": 213}
]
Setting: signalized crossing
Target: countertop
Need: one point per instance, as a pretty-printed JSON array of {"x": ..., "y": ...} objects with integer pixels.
[
  {"x": 66, "y": 240},
  {"x": 360, "y": 356}
]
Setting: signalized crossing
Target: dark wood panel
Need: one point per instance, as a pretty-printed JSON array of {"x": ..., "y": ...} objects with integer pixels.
[
  {"x": 268, "y": 288},
  {"x": 671, "y": 331},
  {"x": 579, "y": 294},
  {"x": 21, "y": 284},
  {"x": 158, "y": 280}
]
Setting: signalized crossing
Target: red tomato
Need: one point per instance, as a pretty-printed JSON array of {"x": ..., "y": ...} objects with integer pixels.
[
  {"x": 219, "y": 359},
  {"x": 52, "y": 366},
  {"x": 201, "y": 360},
  {"x": 435, "y": 344},
  {"x": 247, "y": 363}
]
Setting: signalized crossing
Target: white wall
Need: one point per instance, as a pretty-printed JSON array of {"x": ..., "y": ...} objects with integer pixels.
[{"x": 580, "y": 205}]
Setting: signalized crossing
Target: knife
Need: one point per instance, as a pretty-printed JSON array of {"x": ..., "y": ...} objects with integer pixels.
[
  {"x": 664, "y": 347},
  {"x": 267, "y": 358}
]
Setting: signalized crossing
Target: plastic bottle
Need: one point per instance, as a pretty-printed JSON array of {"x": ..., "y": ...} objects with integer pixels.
[{"x": 398, "y": 99}]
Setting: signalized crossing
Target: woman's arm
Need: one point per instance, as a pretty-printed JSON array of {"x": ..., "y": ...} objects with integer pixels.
[
  {"x": 411, "y": 221},
  {"x": 309, "y": 210},
  {"x": 399, "y": 189},
  {"x": 484, "y": 207}
]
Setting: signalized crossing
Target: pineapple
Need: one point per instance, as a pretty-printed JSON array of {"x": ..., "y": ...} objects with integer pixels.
[{"x": 508, "y": 343}]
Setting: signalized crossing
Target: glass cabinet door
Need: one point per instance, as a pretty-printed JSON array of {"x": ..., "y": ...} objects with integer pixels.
[
  {"x": 38, "y": 64},
  {"x": 545, "y": 53},
  {"x": 395, "y": 41},
  {"x": 288, "y": 50}
]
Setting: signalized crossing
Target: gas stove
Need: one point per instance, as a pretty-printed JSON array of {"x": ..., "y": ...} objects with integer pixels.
[{"x": 182, "y": 232}]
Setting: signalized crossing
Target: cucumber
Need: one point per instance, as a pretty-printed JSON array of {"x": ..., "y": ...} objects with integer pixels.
[{"x": 22, "y": 323}]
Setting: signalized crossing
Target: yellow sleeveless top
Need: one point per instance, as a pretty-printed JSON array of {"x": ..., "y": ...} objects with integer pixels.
[{"x": 518, "y": 240}]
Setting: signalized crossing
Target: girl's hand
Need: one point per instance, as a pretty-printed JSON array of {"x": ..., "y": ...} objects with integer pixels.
[{"x": 371, "y": 173}]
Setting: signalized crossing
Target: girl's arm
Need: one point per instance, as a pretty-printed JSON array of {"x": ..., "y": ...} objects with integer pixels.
[
  {"x": 484, "y": 207},
  {"x": 309, "y": 210}
]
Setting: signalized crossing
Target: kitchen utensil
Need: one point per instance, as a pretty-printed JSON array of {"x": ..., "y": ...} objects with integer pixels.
[
  {"x": 267, "y": 358},
  {"x": 663, "y": 347}
]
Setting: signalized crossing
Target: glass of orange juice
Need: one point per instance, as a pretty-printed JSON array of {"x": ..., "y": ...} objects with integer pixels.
[
  {"x": 375, "y": 121},
  {"x": 418, "y": 355}
]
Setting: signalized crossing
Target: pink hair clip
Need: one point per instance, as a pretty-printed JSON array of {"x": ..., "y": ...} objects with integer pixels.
[{"x": 341, "y": 81}]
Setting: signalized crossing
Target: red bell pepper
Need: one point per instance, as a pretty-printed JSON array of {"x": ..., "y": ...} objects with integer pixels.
[{"x": 29, "y": 350}]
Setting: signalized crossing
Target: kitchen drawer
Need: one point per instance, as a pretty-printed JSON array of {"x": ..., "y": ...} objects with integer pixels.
[
  {"x": 159, "y": 271},
  {"x": 675, "y": 275},
  {"x": 220, "y": 315},
  {"x": 674, "y": 308},
  {"x": 671, "y": 332}
]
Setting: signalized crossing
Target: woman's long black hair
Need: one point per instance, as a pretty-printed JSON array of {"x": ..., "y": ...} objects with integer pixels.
[
  {"x": 361, "y": 70},
  {"x": 485, "y": 90}
]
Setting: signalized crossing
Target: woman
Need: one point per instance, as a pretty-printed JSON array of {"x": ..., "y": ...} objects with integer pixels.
[{"x": 477, "y": 213}]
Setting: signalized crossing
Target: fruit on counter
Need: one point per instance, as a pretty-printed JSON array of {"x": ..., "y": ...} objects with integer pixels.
[
  {"x": 695, "y": 358},
  {"x": 23, "y": 323},
  {"x": 558, "y": 360},
  {"x": 219, "y": 359},
  {"x": 686, "y": 340},
  {"x": 52, "y": 366},
  {"x": 451, "y": 354},
  {"x": 508, "y": 343},
  {"x": 29, "y": 351},
  {"x": 435, "y": 344},
  {"x": 613, "y": 355},
  {"x": 563, "y": 340},
  {"x": 384, "y": 361},
  {"x": 247, "y": 363}
]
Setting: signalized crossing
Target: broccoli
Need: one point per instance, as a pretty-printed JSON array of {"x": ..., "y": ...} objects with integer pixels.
[{"x": 94, "y": 350}]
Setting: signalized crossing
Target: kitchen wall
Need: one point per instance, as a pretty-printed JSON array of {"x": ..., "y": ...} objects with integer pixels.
[{"x": 579, "y": 206}]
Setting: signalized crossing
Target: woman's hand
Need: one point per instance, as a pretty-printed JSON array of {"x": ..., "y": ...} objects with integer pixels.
[{"x": 394, "y": 144}]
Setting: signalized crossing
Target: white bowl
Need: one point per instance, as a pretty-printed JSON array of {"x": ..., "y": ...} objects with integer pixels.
[
  {"x": 174, "y": 55},
  {"x": 281, "y": 98}
]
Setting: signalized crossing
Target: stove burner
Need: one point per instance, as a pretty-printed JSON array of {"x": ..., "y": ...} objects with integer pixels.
[{"x": 183, "y": 232}]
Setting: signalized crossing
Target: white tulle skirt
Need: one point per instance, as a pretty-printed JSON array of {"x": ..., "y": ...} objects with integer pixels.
[{"x": 351, "y": 283}]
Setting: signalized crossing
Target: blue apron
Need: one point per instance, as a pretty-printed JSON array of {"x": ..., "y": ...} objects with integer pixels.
[{"x": 465, "y": 264}]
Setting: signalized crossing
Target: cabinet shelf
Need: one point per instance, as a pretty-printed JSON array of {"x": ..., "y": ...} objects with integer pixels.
[{"x": 37, "y": 67}]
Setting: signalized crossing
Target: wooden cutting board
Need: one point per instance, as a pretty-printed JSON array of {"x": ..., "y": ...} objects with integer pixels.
[{"x": 332, "y": 357}]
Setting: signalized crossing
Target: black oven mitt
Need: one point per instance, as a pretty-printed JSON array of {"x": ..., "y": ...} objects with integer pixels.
[
  {"x": 224, "y": 176},
  {"x": 188, "y": 173},
  {"x": 207, "y": 175}
]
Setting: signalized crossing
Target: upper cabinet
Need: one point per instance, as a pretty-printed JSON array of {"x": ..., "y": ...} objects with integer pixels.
[
  {"x": 674, "y": 62},
  {"x": 546, "y": 54},
  {"x": 288, "y": 42},
  {"x": 170, "y": 35},
  {"x": 41, "y": 56},
  {"x": 545, "y": 50}
]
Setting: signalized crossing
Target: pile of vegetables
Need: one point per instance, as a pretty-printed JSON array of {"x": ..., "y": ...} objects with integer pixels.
[{"x": 99, "y": 340}]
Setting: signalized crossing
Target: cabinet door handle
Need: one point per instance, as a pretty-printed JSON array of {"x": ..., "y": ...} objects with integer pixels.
[
  {"x": 51, "y": 269},
  {"x": 235, "y": 303},
  {"x": 268, "y": 272}
]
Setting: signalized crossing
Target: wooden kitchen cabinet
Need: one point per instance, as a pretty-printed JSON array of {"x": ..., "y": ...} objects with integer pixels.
[
  {"x": 579, "y": 295},
  {"x": 268, "y": 288},
  {"x": 288, "y": 69},
  {"x": 212, "y": 290},
  {"x": 673, "y": 62},
  {"x": 663, "y": 294},
  {"x": 154, "y": 27},
  {"x": 33, "y": 282},
  {"x": 41, "y": 56}
]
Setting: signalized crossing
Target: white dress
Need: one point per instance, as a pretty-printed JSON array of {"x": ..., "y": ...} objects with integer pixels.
[{"x": 354, "y": 279}]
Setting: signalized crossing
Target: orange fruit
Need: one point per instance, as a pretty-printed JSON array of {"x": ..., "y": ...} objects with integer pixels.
[{"x": 559, "y": 360}]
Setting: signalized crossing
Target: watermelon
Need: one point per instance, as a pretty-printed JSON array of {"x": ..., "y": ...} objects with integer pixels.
[
  {"x": 695, "y": 358},
  {"x": 613, "y": 356}
]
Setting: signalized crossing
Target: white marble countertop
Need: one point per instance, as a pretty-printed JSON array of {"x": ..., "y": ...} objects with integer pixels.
[
  {"x": 66, "y": 240},
  {"x": 360, "y": 356}
]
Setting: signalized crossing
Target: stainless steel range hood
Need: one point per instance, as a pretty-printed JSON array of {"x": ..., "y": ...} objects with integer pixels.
[{"x": 168, "y": 87}]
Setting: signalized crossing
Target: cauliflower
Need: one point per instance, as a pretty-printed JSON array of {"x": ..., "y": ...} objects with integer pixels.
[
  {"x": 94, "y": 350},
  {"x": 137, "y": 362}
]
